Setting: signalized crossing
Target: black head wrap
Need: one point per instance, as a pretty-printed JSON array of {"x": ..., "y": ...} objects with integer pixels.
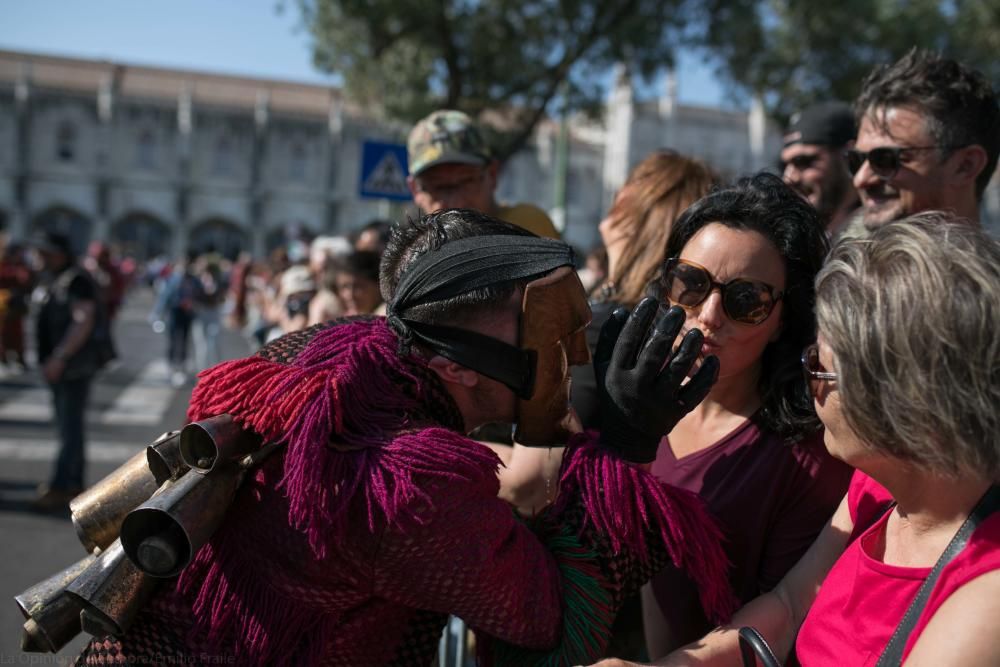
[{"x": 463, "y": 265}]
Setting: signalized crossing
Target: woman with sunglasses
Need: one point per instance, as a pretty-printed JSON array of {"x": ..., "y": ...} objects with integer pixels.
[
  {"x": 906, "y": 378},
  {"x": 635, "y": 234},
  {"x": 741, "y": 262}
]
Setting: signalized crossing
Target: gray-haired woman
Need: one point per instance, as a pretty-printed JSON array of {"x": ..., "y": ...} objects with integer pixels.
[{"x": 906, "y": 378}]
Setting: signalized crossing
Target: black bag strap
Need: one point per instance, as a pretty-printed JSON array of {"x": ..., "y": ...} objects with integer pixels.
[
  {"x": 753, "y": 646},
  {"x": 893, "y": 652}
]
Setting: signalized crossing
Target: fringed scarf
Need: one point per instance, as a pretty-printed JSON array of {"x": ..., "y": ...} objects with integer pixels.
[
  {"x": 337, "y": 396},
  {"x": 629, "y": 508},
  {"x": 628, "y": 505}
]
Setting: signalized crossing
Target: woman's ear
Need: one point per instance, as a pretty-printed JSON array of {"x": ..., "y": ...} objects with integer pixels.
[{"x": 452, "y": 372}]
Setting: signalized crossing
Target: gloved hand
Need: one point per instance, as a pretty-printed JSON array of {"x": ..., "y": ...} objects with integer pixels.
[{"x": 641, "y": 397}]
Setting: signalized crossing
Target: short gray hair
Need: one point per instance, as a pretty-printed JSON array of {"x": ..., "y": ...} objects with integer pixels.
[{"x": 912, "y": 314}]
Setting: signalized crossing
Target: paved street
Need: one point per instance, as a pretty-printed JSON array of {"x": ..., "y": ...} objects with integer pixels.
[{"x": 132, "y": 402}]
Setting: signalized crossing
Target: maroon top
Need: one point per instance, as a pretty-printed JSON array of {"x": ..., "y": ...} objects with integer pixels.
[{"x": 771, "y": 499}]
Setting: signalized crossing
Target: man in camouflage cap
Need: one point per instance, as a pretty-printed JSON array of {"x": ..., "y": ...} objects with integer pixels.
[{"x": 451, "y": 166}]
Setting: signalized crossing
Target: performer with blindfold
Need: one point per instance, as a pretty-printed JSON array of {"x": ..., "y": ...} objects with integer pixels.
[{"x": 352, "y": 544}]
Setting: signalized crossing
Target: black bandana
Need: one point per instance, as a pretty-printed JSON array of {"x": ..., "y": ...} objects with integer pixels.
[{"x": 461, "y": 266}]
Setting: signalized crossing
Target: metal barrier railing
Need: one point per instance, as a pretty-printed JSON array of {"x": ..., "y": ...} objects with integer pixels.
[{"x": 453, "y": 647}]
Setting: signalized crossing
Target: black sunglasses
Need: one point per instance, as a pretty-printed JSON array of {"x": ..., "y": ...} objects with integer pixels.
[
  {"x": 746, "y": 301},
  {"x": 885, "y": 161}
]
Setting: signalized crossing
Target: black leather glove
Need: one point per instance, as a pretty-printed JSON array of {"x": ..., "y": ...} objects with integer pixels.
[{"x": 639, "y": 378}]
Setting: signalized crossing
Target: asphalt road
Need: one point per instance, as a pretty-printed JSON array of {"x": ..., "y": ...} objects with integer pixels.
[{"x": 132, "y": 402}]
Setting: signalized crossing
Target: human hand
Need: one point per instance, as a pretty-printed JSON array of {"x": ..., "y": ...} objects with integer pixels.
[
  {"x": 53, "y": 369},
  {"x": 640, "y": 379}
]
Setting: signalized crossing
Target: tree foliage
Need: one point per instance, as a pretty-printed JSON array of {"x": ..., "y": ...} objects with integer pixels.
[
  {"x": 523, "y": 57},
  {"x": 794, "y": 52},
  {"x": 529, "y": 57}
]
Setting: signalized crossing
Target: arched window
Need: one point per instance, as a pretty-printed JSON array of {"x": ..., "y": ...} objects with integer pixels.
[
  {"x": 66, "y": 142},
  {"x": 145, "y": 150},
  {"x": 297, "y": 161},
  {"x": 223, "y": 160}
]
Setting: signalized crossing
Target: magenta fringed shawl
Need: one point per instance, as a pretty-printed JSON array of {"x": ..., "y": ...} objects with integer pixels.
[
  {"x": 629, "y": 506},
  {"x": 347, "y": 387}
]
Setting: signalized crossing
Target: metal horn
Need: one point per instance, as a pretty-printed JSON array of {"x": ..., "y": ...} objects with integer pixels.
[
  {"x": 162, "y": 535},
  {"x": 98, "y": 512},
  {"x": 52, "y": 616},
  {"x": 110, "y": 593},
  {"x": 212, "y": 442},
  {"x": 164, "y": 457}
]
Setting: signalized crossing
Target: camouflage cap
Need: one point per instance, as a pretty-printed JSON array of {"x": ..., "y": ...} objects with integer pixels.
[{"x": 445, "y": 137}]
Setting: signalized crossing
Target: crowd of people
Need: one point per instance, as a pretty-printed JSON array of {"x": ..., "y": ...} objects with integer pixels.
[{"x": 760, "y": 423}]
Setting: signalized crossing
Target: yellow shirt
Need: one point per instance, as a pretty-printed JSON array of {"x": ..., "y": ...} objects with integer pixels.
[{"x": 530, "y": 217}]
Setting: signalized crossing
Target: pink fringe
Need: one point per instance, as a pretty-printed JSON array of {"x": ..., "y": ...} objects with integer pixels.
[
  {"x": 342, "y": 387},
  {"x": 626, "y": 503},
  {"x": 232, "y": 602}
]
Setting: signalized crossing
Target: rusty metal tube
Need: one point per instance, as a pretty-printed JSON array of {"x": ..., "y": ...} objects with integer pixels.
[
  {"x": 162, "y": 535},
  {"x": 164, "y": 457},
  {"x": 52, "y": 616},
  {"x": 98, "y": 512},
  {"x": 210, "y": 443},
  {"x": 110, "y": 592}
]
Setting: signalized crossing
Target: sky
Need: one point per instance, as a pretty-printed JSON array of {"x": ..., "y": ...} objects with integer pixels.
[{"x": 244, "y": 37}]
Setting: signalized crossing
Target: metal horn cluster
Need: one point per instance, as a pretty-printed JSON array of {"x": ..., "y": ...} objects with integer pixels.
[{"x": 143, "y": 522}]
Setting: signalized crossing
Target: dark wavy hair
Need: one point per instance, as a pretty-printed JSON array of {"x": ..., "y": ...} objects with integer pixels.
[
  {"x": 764, "y": 204},
  {"x": 957, "y": 102}
]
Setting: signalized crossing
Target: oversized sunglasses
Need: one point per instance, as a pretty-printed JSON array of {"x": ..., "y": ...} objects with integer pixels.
[
  {"x": 746, "y": 301},
  {"x": 884, "y": 161},
  {"x": 813, "y": 370}
]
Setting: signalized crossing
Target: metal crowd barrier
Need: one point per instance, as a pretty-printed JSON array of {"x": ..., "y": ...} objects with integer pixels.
[{"x": 453, "y": 647}]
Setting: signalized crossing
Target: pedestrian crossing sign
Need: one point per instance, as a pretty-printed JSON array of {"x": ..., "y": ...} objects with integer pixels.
[{"x": 383, "y": 171}]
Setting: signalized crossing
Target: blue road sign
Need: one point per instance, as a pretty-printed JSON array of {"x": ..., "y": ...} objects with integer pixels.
[{"x": 383, "y": 171}]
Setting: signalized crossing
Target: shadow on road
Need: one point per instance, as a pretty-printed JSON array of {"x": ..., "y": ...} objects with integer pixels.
[{"x": 16, "y": 495}]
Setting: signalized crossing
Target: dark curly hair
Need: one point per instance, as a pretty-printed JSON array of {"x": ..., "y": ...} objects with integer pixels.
[
  {"x": 957, "y": 102},
  {"x": 764, "y": 204}
]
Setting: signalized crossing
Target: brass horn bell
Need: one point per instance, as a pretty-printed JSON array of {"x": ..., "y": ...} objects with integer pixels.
[
  {"x": 52, "y": 616},
  {"x": 162, "y": 535},
  {"x": 98, "y": 512},
  {"x": 164, "y": 457},
  {"x": 212, "y": 442},
  {"x": 110, "y": 592}
]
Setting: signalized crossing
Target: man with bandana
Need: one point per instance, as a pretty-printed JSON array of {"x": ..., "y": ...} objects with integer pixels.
[{"x": 378, "y": 517}]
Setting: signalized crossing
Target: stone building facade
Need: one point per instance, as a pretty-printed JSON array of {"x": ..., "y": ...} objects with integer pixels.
[{"x": 165, "y": 161}]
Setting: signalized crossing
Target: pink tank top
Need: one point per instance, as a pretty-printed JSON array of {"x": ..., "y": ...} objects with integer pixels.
[{"x": 862, "y": 599}]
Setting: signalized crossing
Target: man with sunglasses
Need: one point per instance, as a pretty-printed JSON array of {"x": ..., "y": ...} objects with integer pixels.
[
  {"x": 928, "y": 138},
  {"x": 451, "y": 166},
  {"x": 814, "y": 165}
]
